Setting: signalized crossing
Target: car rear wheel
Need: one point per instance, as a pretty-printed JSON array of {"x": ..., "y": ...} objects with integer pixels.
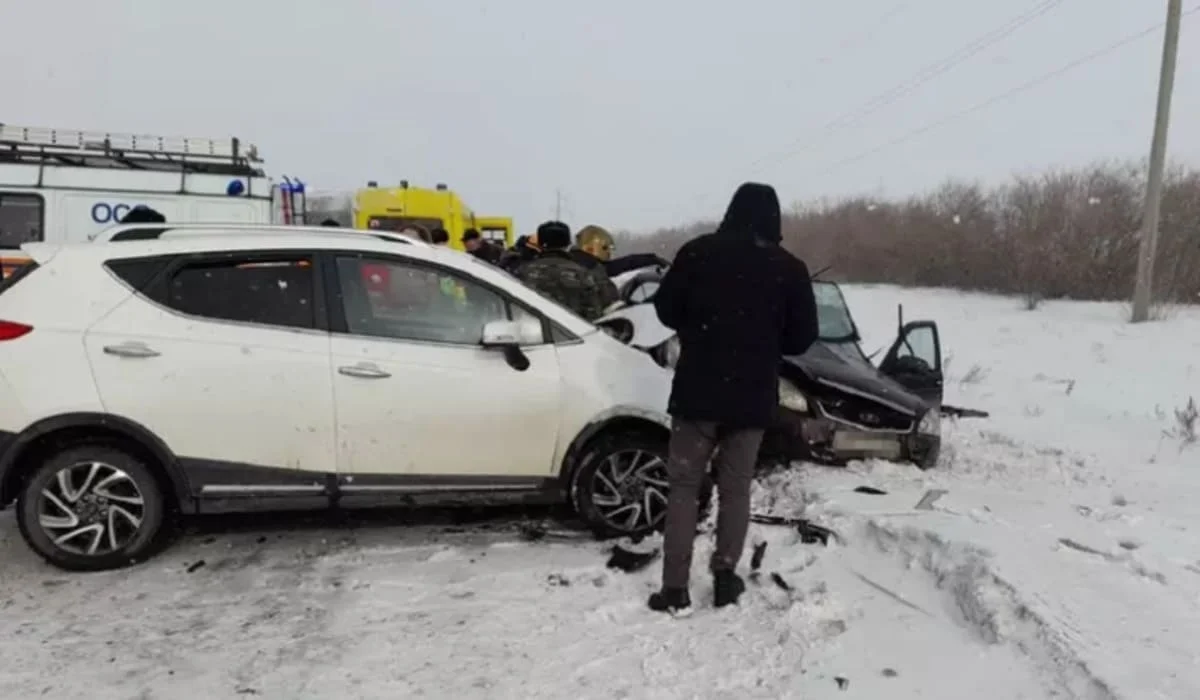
[
  {"x": 620, "y": 488},
  {"x": 91, "y": 508}
]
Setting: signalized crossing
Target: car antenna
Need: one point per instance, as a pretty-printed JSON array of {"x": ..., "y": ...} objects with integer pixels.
[
  {"x": 899, "y": 318},
  {"x": 820, "y": 272}
]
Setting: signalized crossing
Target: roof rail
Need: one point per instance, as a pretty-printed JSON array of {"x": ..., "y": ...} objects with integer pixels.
[
  {"x": 155, "y": 231},
  {"x": 100, "y": 149}
]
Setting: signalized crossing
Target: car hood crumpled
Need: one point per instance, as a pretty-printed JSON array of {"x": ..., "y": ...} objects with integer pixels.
[{"x": 841, "y": 366}]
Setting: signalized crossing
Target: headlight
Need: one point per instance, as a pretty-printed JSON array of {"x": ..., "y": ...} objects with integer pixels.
[
  {"x": 791, "y": 398},
  {"x": 931, "y": 422}
]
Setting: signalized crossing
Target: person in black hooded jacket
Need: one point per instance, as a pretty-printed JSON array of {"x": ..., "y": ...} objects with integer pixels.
[{"x": 739, "y": 302}]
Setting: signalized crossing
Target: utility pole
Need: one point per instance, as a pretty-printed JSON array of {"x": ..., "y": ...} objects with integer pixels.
[{"x": 1148, "y": 247}]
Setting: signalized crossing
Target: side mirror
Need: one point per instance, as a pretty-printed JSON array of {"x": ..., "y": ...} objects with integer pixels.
[
  {"x": 500, "y": 334},
  {"x": 509, "y": 336}
]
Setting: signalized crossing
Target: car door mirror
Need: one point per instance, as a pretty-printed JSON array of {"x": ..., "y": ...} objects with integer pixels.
[
  {"x": 509, "y": 336},
  {"x": 499, "y": 334},
  {"x": 915, "y": 360},
  {"x": 504, "y": 333}
]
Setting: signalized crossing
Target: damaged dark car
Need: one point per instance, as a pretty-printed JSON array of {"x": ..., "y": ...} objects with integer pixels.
[{"x": 835, "y": 404}]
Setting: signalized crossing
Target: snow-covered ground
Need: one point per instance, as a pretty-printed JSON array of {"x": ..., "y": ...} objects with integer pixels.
[{"x": 1063, "y": 562}]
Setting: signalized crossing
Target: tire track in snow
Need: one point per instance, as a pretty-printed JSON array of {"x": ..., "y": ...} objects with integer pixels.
[{"x": 993, "y": 608}]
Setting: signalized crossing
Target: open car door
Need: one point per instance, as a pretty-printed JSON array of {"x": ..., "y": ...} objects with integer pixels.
[{"x": 915, "y": 360}]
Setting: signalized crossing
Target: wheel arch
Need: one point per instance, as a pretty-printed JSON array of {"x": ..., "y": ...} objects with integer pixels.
[
  {"x": 58, "y": 432},
  {"x": 612, "y": 422}
]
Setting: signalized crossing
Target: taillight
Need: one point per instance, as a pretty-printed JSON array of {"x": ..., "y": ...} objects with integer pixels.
[{"x": 10, "y": 330}]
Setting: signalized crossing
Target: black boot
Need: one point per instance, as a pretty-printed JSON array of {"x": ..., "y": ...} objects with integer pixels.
[
  {"x": 727, "y": 588},
  {"x": 673, "y": 601}
]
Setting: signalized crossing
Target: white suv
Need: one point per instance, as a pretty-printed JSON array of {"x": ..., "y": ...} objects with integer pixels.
[{"x": 199, "y": 369}]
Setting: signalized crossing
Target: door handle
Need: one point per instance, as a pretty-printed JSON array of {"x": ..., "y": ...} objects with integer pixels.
[
  {"x": 363, "y": 371},
  {"x": 130, "y": 350}
]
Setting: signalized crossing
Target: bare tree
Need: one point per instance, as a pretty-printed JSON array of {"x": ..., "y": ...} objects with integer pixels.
[{"x": 1069, "y": 233}]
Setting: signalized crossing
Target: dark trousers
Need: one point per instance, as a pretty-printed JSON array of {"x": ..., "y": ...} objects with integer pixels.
[{"x": 692, "y": 446}]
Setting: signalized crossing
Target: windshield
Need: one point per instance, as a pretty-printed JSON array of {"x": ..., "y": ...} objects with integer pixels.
[{"x": 833, "y": 315}]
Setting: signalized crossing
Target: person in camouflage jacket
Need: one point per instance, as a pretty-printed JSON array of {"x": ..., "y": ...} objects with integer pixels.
[
  {"x": 556, "y": 275},
  {"x": 593, "y": 248}
]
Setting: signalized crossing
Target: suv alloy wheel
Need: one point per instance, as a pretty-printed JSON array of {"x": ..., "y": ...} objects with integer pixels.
[
  {"x": 91, "y": 508},
  {"x": 620, "y": 488}
]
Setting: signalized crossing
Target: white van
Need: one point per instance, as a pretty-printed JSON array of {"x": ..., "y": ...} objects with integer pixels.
[{"x": 63, "y": 186}]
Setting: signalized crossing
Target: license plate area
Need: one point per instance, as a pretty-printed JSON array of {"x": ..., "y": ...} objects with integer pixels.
[{"x": 863, "y": 443}]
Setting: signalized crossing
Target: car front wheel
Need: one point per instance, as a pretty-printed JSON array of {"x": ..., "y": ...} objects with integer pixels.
[
  {"x": 91, "y": 509},
  {"x": 621, "y": 486}
]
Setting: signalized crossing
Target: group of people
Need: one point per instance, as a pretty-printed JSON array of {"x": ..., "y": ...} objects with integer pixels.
[
  {"x": 569, "y": 270},
  {"x": 574, "y": 270},
  {"x": 573, "y": 275}
]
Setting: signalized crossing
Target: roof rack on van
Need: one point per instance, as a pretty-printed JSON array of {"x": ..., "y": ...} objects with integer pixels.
[
  {"x": 155, "y": 231},
  {"x": 99, "y": 149}
]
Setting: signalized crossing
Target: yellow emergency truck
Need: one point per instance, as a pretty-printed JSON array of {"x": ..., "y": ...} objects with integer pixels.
[{"x": 398, "y": 208}]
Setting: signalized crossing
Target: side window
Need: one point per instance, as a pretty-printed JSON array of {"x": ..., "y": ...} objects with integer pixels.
[
  {"x": 137, "y": 272},
  {"x": 560, "y": 335},
  {"x": 14, "y": 271},
  {"x": 21, "y": 219},
  {"x": 921, "y": 343},
  {"x": 518, "y": 312},
  {"x": 271, "y": 291},
  {"x": 390, "y": 299}
]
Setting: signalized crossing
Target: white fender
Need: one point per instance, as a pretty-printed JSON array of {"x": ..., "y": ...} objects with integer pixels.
[{"x": 648, "y": 331}]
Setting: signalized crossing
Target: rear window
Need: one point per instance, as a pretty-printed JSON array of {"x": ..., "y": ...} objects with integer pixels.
[
  {"x": 275, "y": 291},
  {"x": 21, "y": 219},
  {"x": 19, "y": 270}
]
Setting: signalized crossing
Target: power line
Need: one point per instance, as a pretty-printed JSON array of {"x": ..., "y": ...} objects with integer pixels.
[
  {"x": 846, "y": 43},
  {"x": 1024, "y": 87},
  {"x": 923, "y": 76}
]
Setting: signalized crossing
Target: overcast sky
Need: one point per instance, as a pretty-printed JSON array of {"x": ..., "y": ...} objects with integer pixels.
[{"x": 643, "y": 113}]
